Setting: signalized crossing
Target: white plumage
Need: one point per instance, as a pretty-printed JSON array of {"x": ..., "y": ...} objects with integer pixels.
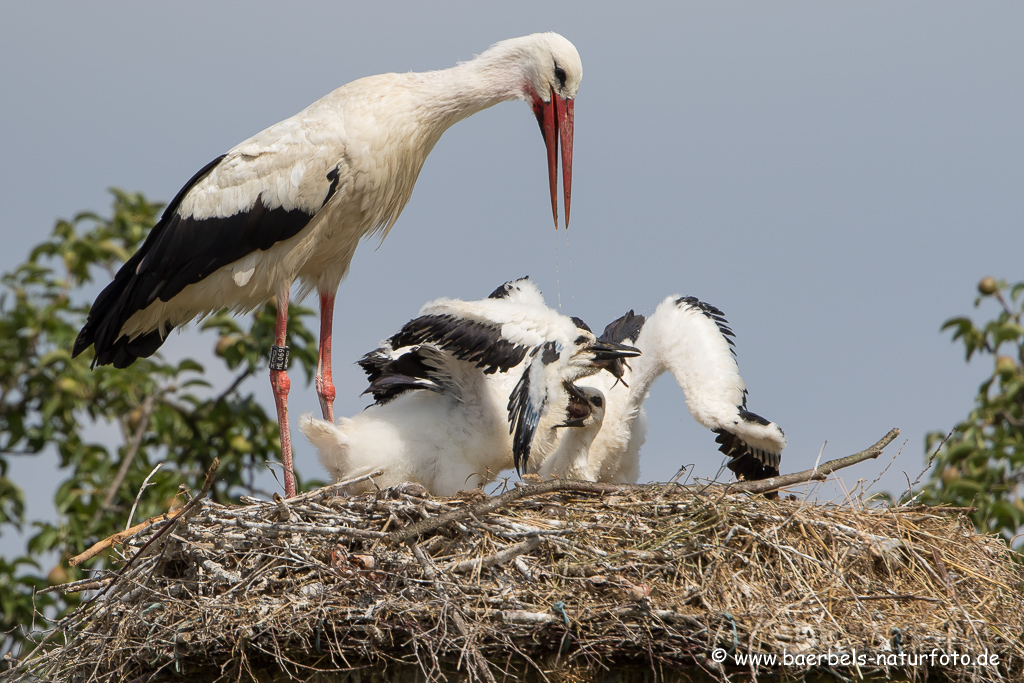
[
  {"x": 447, "y": 440},
  {"x": 465, "y": 390},
  {"x": 691, "y": 340},
  {"x": 294, "y": 201}
]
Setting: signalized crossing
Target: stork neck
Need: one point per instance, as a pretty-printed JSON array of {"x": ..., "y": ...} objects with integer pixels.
[
  {"x": 571, "y": 460},
  {"x": 467, "y": 88},
  {"x": 645, "y": 370}
]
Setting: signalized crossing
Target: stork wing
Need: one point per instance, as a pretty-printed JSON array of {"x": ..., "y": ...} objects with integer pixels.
[
  {"x": 697, "y": 347},
  {"x": 521, "y": 318},
  {"x": 262, "y": 192},
  {"x": 700, "y": 352},
  {"x": 754, "y": 446},
  {"x": 526, "y": 404}
]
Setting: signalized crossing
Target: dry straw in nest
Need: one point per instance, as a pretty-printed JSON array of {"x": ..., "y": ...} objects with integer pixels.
[{"x": 554, "y": 581}]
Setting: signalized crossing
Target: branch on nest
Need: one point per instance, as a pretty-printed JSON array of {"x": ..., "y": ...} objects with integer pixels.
[
  {"x": 120, "y": 537},
  {"x": 819, "y": 473},
  {"x": 187, "y": 511},
  {"x": 321, "y": 492},
  {"x": 76, "y": 586},
  {"x": 492, "y": 504},
  {"x": 184, "y": 513}
]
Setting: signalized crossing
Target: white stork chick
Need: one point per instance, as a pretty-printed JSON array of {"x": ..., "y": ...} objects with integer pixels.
[
  {"x": 294, "y": 201},
  {"x": 585, "y": 414},
  {"x": 449, "y": 438},
  {"x": 464, "y": 391},
  {"x": 515, "y": 336},
  {"x": 692, "y": 340}
]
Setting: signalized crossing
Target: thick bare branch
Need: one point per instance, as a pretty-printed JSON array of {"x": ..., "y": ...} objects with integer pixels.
[
  {"x": 120, "y": 537},
  {"x": 491, "y": 504},
  {"x": 819, "y": 473},
  {"x": 500, "y": 557}
]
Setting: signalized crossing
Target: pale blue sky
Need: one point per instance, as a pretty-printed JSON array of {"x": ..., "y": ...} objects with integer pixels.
[{"x": 835, "y": 176}]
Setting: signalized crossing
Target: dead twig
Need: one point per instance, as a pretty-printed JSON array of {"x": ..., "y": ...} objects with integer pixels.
[
  {"x": 493, "y": 559},
  {"x": 138, "y": 496},
  {"x": 818, "y": 472},
  {"x": 184, "y": 513},
  {"x": 491, "y": 504},
  {"x": 120, "y": 537}
]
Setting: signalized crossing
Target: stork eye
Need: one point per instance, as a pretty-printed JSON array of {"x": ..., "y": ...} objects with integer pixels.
[
  {"x": 597, "y": 401},
  {"x": 560, "y": 75},
  {"x": 581, "y": 340}
]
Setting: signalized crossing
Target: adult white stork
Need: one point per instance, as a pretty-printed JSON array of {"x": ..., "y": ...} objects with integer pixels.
[
  {"x": 692, "y": 340},
  {"x": 293, "y": 201},
  {"x": 464, "y": 391}
]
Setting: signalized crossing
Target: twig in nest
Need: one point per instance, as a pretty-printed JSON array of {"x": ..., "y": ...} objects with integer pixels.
[
  {"x": 90, "y": 584},
  {"x": 889, "y": 597},
  {"x": 184, "y": 513},
  {"x": 284, "y": 513},
  {"x": 501, "y": 557},
  {"x": 927, "y": 466},
  {"x": 492, "y": 504},
  {"x": 138, "y": 496},
  {"x": 341, "y": 484},
  {"x": 221, "y": 574}
]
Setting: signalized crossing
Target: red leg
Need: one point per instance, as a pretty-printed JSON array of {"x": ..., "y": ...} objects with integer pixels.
[
  {"x": 281, "y": 384},
  {"x": 324, "y": 379}
]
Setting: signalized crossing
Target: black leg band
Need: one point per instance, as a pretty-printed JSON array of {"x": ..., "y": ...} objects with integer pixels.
[{"x": 279, "y": 356}]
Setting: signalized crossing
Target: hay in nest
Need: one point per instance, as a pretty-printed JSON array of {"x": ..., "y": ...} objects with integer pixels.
[{"x": 555, "y": 581}]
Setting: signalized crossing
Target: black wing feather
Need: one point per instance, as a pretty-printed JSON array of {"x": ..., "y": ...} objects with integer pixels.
[
  {"x": 390, "y": 387},
  {"x": 626, "y": 328},
  {"x": 179, "y": 251},
  {"x": 391, "y": 377},
  {"x": 746, "y": 461},
  {"x": 524, "y": 416},
  {"x": 475, "y": 342},
  {"x": 715, "y": 314}
]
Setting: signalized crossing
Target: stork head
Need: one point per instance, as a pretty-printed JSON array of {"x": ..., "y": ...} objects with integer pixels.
[
  {"x": 545, "y": 70},
  {"x": 593, "y": 354},
  {"x": 585, "y": 408}
]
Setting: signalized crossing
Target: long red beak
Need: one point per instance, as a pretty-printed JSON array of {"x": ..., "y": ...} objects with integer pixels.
[{"x": 556, "y": 121}]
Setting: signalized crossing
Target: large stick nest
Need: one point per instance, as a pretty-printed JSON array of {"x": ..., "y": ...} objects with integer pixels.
[{"x": 603, "y": 583}]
